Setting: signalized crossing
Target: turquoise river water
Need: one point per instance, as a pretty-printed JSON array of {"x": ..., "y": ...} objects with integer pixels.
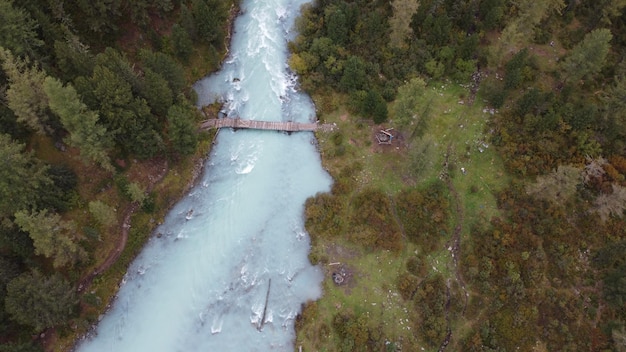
[{"x": 203, "y": 285}]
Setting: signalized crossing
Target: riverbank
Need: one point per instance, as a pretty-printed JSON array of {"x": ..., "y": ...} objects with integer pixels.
[
  {"x": 168, "y": 184},
  {"x": 99, "y": 287}
]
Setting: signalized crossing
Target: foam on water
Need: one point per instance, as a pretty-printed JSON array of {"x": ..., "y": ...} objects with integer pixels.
[{"x": 202, "y": 286}]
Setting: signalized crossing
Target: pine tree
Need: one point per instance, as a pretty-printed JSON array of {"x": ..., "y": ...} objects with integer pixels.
[
  {"x": 588, "y": 56},
  {"x": 40, "y": 301},
  {"x": 86, "y": 133},
  {"x": 52, "y": 237},
  {"x": 25, "y": 95}
]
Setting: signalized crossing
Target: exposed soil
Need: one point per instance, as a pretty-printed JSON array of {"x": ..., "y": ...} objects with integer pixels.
[
  {"x": 155, "y": 173},
  {"x": 454, "y": 246}
]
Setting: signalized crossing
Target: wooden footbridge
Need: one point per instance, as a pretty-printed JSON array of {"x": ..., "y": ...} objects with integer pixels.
[{"x": 266, "y": 125}]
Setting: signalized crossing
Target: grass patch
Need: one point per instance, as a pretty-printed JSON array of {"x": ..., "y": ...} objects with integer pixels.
[{"x": 356, "y": 161}]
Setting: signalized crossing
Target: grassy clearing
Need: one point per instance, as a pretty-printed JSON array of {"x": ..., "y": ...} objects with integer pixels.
[{"x": 476, "y": 171}]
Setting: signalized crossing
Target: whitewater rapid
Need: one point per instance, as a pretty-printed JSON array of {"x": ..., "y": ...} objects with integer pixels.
[{"x": 202, "y": 285}]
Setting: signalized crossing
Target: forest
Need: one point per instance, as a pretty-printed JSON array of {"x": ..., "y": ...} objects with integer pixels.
[
  {"x": 95, "y": 105},
  {"x": 494, "y": 221}
]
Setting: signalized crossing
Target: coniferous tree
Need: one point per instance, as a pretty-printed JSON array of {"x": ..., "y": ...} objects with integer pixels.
[
  {"x": 52, "y": 237},
  {"x": 156, "y": 91},
  {"x": 588, "y": 57},
  {"x": 40, "y": 301},
  {"x": 25, "y": 95},
  {"x": 18, "y": 30},
  {"x": 22, "y": 178},
  {"x": 86, "y": 133},
  {"x": 182, "y": 129},
  {"x": 183, "y": 46}
]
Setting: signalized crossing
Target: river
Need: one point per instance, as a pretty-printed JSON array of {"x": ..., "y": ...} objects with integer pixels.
[{"x": 203, "y": 284}]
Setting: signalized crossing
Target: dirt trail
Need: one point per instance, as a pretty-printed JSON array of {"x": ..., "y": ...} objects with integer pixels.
[
  {"x": 454, "y": 246},
  {"x": 124, "y": 229}
]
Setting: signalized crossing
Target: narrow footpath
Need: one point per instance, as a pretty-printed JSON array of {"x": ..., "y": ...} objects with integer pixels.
[{"x": 124, "y": 229}]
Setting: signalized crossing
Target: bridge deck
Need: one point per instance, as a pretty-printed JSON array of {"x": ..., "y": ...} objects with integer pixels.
[{"x": 265, "y": 125}]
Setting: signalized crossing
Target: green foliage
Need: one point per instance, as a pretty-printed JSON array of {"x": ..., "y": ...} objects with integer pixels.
[
  {"x": 86, "y": 133},
  {"x": 336, "y": 25},
  {"x": 324, "y": 216},
  {"x": 18, "y": 30},
  {"x": 209, "y": 17},
  {"x": 405, "y": 108},
  {"x": 513, "y": 69},
  {"x": 424, "y": 214},
  {"x": 430, "y": 297},
  {"x": 165, "y": 66},
  {"x": 491, "y": 13},
  {"x": 20, "y": 347},
  {"x": 422, "y": 156},
  {"x": 588, "y": 57},
  {"x": 100, "y": 16},
  {"x": 369, "y": 104},
  {"x": 407, "y": 285},
  {"x": 353, "y": 330},
  {"x": 182, "y": 44},
  {"x": 354, "y": 75},
  {"x": 182, "y": 131},
  {"x": 157, "y": 93},
  {"x": 127, "y": 117},
  {"x": 25, "y": 95},
  {"x": 73, "y": 58},
  {"x": 136, "y": 193},
  {"x": 615, "y": 113},
  {"x": 22, "y": 178},
  {"x": 103, "y": 213},
  {"x": 610, "y": 261},
  {"x": 40, "y": 301},
  {"x": 374, "y": 225},
  {"x": 52, "y": 237}
]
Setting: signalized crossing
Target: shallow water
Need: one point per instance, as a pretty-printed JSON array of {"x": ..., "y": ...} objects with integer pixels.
[{"x": 202, "y": 286}]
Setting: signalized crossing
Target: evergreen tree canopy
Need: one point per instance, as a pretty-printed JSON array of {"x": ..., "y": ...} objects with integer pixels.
[{"x": 40, "y": 301}]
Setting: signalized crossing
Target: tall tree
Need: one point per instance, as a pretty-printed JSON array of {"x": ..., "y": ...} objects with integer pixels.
[
  {"x": 354, "y": 75},
  {"x": 615, "y": 114},
  {"x": 588, "y": 56},
  {"x": 18, "y": 31},
  {"x": 125, "y": 115},
  {"x": 40, "y": 301},
  {"x": 209, "y": 17},
  {"x": 73, "y": 57},
  {"x": 52, "y": 237},
  {"x": 86, "y": 133},
  {"x": 100, "y": 16},
  {"x": 25, "y": 95},
  {"x": 181, "y": 41},
  {"x": 182, "y": 129},
  {"x": 521, "y": 29},
  {"x": 165, "y": 66},
  {"x": 157, "y": 92},
  {"x": 119, "y": 64},
  {"x": 22, "y": 178}
]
